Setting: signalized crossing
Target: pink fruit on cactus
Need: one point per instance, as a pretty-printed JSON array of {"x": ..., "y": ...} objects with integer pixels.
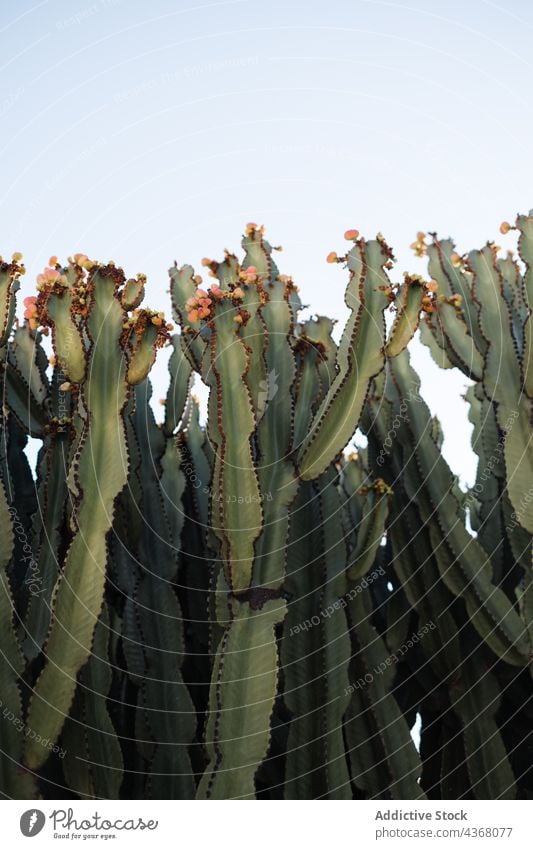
[
  {"x": 351, "y": 235},
  {"x": 30, "y": 312}
]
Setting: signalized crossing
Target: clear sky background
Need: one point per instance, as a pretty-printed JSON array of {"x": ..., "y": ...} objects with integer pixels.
[{"x": 151, "y": 131}]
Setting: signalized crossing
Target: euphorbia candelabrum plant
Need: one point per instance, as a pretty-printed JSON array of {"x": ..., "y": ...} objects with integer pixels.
[{"x": 242, "y": 609}]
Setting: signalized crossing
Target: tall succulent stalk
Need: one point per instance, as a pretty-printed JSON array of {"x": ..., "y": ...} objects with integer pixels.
[{"x": 266, "y": 374}]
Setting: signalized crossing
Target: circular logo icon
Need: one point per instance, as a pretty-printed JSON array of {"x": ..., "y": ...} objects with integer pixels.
[{"x": 32, "y": 822}]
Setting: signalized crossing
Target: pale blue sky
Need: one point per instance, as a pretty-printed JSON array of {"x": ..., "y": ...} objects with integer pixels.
[{"x": 148, "y": 132}]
